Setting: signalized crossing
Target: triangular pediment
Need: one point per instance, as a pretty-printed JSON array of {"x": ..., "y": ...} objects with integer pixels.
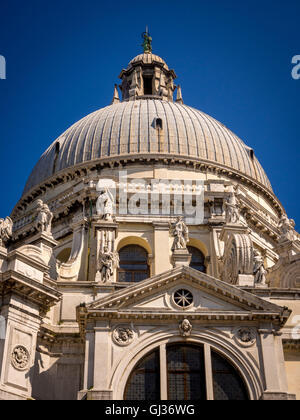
[{"x": 209, "y": 295}]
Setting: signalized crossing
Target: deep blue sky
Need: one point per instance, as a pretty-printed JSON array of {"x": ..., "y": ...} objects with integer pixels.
[{"x": 232, "y": 58}]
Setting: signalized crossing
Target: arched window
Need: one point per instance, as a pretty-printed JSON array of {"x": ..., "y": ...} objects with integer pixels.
[
  {"x": 133, "y": 264},
  {"x": 198, "y": 259},
  {"x": 228, "y": 385},
  {"x": 186, "y": 373},
  {"x": 144, "y": 382},
  {"x": 192, "y": 374}
]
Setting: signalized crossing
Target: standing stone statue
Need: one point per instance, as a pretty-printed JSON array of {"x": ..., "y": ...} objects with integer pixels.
[
  {"x": 180, "y": 233},
  {"x": 232, "y": 211},
  {"x": 105, "y": 204},
  {"x": 107, "y": 261},
  {"x": 44, "y": 217},
  {"x": 259, "y": 270},
  {"x": 287, "y": 229},
  {"x": 6, "y": 226}
]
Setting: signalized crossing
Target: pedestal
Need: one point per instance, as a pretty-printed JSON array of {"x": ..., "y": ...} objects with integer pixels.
[
  {"x": 181, "y": 257},
  {"x": 245, "y": 280}
]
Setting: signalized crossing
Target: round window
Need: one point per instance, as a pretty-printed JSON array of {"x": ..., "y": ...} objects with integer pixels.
[{"x": 183, "y": 298}]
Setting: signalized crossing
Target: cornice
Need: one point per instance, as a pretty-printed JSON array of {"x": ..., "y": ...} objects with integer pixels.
[
  {"x": 38, "y": 293},
  {"x": 201, "y": 165}
]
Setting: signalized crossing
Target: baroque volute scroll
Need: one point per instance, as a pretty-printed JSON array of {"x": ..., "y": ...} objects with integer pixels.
[
  {"x": 237, "y": 262},
  {"x": 286, "y": 272}
]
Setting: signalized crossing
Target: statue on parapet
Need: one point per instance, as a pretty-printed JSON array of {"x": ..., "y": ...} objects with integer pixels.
[
  {"x": 105, "y": 204},
  {"x": 6, "y": 226},
  {"x": 287, "y": 229},
  {"x": 232, "y": 210},
  {"x": 43, "y": 218}
]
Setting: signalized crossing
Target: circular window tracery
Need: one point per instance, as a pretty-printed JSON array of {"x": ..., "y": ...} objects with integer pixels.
[{"x": 183, "y": 298}]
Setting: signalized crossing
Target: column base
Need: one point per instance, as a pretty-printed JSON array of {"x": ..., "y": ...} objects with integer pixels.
[
  {"x": 245, "y": 280},
  {"x": 95, "y": 395},
  {"x": 277, "y": 396}
]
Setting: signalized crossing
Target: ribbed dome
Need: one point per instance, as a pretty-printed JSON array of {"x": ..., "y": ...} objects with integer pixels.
[
  {"x": 149, "y": 58},
  {"x": 129, "y": 128}
]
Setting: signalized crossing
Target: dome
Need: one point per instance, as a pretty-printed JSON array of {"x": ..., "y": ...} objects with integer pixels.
[
  {"x": 148, "y": 59},
  {"x": 144, "y": 128}
]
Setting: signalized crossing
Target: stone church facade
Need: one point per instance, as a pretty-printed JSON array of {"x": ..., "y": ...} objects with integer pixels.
[{"x": 148, "y": 258}]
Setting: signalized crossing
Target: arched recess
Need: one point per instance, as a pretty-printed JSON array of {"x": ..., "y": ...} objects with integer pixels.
[
  {"x": 244, "y": 365},
  {"x": 137, "y": 240},
  {"x": 199, "y": 245},
  {"x": 134, "y": 240},
  {"x": 198, "y": 259},
  {"x": 133, "y": 264}
]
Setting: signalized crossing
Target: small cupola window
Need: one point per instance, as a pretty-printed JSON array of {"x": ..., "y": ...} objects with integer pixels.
[{"x": 158, "y": 123}]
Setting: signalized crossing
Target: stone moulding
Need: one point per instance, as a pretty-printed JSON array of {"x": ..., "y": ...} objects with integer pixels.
[{"x": 83, "y": 169}]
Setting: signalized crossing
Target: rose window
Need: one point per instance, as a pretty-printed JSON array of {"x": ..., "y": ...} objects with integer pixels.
[{"x": 183, "y": 298}]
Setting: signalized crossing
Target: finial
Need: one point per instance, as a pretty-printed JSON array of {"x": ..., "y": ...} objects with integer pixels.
[
  {"x": 147, "y": 44},
  {"x": 116, "y": 98},
  {"x": 179, "y": 95}
]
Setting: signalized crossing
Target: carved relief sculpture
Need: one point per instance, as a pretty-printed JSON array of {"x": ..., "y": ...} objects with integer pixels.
[
  {"x": 185, "y": 328},
  {"x": 5, "y": 230},
  {"x": 259, "y": 270},
  {"x": 245, "y": 336},
  {"x": 123, "y": 335},
  {"x": 20, "y": 358},
  {"x": 44, "y": 218},
  {"x": 181, "y": 234}
]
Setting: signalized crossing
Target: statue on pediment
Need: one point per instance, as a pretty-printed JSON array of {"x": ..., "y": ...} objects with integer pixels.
[{"x": 180, "y": 232}]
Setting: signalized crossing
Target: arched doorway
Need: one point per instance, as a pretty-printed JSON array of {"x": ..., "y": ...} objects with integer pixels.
[
  {"x": 133, "y": 264},
  {"x": 189, "y": 370}
]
